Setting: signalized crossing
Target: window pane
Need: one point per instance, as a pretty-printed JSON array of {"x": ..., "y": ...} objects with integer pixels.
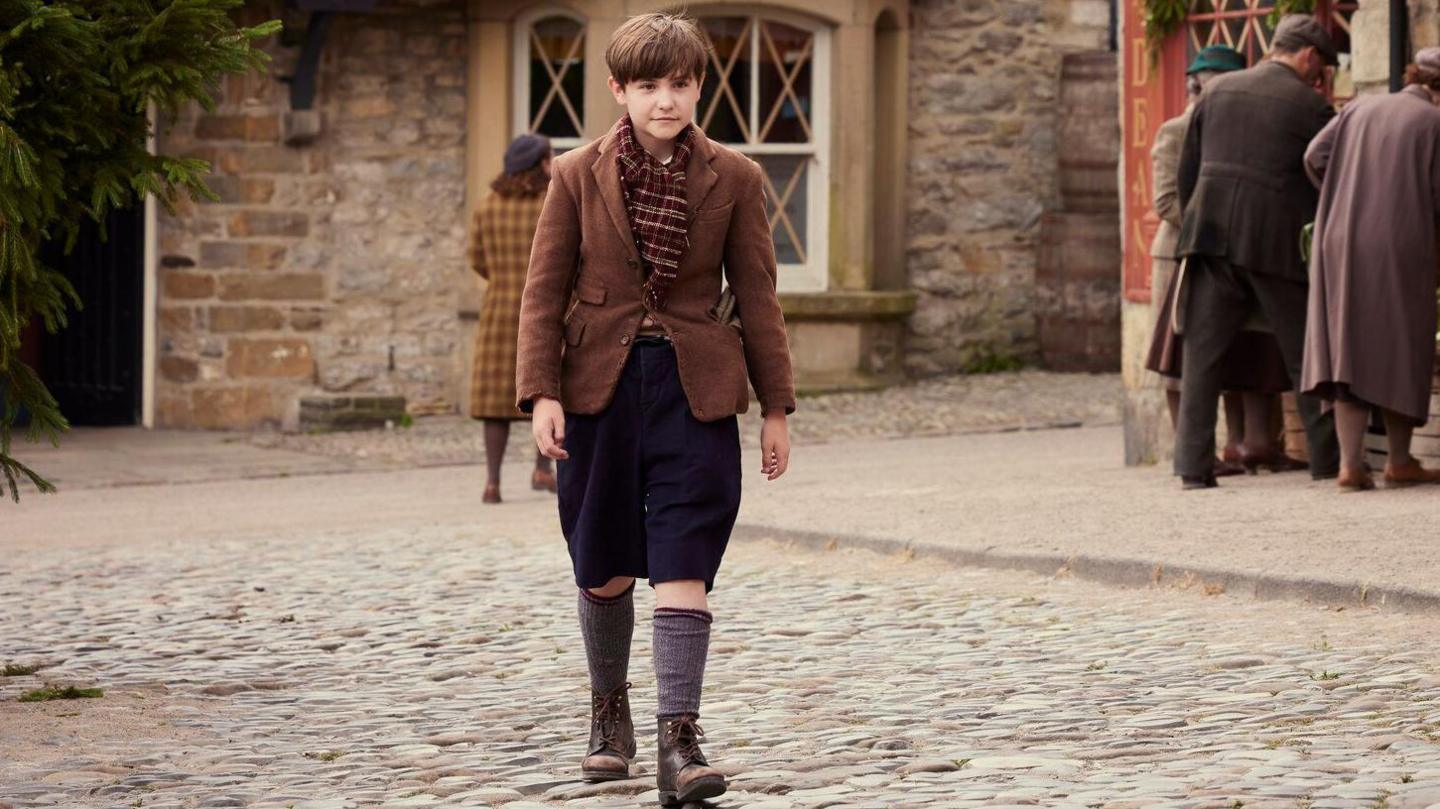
[
  {"x": 786, "y": 56},
  {"x": 725, "y": 110},
  {"x": 788, "y": 175},
  {"x": 557, "y": 45}
]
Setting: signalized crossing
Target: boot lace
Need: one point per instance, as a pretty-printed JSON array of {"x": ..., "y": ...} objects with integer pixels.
[
  {"x": 610, "y": 715},
  {"x": 685, "y": 734}
]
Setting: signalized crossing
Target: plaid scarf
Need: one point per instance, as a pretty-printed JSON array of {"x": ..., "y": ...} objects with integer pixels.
[{"x": 656, "y": 207}]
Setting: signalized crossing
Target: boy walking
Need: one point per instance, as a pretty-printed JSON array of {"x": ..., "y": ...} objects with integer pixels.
[{"x": 634, "y": 381}]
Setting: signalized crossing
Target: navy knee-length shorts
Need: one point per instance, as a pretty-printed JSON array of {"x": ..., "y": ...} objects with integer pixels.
[{"x": 648, "y": 491}]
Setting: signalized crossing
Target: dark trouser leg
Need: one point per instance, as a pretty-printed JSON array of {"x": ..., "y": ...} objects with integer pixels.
[
  {"x": 1235, "y": 422},
  {"x": 1259, "y": 427},
  {"x": 1285, "y": 303},
  {"x": 1216, "y": 308}
]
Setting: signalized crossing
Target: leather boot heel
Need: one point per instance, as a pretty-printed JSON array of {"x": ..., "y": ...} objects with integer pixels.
[{"x": 683, "y": 775}]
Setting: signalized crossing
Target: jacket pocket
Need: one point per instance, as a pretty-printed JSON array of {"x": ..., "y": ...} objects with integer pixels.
[
  {"x": 587, "y": 291},
  {"x": 719, "y": 213},
  {"x": 574, "y": 332}
]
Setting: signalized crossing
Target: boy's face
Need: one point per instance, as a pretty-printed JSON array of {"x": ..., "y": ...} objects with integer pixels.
[{"x": 659, "y": 108}]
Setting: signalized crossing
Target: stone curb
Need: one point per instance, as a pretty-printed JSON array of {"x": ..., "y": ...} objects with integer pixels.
[{"x": 1122, "y": 572}]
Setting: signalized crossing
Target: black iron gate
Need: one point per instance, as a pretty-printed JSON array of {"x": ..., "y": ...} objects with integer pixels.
[{"x": 93, "y": 366}]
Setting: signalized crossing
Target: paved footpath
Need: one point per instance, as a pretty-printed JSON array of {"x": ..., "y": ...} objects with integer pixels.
[{"x": 382, "y": 661}]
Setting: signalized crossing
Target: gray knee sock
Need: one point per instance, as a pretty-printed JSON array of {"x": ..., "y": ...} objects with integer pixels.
[
  {"x": 607, "y": 625},
  {"x": 682, "y": 637}
]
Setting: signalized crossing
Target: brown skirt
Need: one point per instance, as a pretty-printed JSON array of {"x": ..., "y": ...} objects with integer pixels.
[{"x": 1253, "y": 363}]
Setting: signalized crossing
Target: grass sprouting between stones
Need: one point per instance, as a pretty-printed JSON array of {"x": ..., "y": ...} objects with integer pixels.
[
  {"x": 14, "y": 670},
  {"x": 50, "y": 692}
]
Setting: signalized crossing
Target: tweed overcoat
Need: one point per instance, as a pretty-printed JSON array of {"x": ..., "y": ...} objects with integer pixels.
[
  {"x": 1242, "y": 180},
  {"x": 583, "y": 298},
  {"x": 500, "y": 242},
  {"x": 1371, "y": 324}
]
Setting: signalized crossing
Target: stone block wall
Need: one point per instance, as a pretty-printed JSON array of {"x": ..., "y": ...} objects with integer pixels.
[
  {"x": 334, "y": 266},
  {"x": 984, "y": 123},
  {"x": 1077, "y": 278}
]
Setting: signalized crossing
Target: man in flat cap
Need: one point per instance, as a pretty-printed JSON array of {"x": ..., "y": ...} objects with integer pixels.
[{"x": 1245, "y": 198}]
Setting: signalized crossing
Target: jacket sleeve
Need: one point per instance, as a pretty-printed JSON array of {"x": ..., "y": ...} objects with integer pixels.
[
  {"x": 750, "y": 269},
  {"x": 477, "y": 248},
  {"x": 1317, "y": 155},
  {"x": 554, "y": 257},
  {"x": 1164, "y": 157},
  {"x": 1188, "y": 174}
]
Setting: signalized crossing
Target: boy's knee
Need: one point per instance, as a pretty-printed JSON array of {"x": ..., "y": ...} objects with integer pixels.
[{"x": 615, "y": 587}]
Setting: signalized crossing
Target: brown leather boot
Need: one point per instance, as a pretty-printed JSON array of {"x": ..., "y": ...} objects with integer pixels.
[
  {"x": 683, "y": 774},
  {"x": 612, "y": 737}
]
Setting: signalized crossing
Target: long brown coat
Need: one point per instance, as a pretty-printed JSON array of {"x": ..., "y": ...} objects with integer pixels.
[
  {"x": 583, "y": 301},
  {"x": 1372, "y": 294},
  {"x": 500, "y": 241}
]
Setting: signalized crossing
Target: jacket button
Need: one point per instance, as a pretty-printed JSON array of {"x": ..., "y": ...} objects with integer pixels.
[{"x": 624, "y": 339}]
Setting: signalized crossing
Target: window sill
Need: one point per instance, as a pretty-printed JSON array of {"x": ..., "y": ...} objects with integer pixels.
[{"x": 847, "y": 305}]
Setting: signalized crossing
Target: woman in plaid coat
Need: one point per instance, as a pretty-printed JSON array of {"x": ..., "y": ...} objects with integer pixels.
[{"x": 503, "y": 229}]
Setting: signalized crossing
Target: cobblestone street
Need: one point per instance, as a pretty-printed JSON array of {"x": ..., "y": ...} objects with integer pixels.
[{"x": 438, "y": 666}]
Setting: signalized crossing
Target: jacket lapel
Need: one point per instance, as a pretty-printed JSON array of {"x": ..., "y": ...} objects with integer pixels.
[
  {"x": 699, "y": 177},
  {"x": 607, "y": 177}
]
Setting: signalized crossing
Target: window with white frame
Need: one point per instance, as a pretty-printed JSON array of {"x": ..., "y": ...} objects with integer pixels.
[
  {"x": 766, "y": 94},
  {"x": 550, "y": 77}
]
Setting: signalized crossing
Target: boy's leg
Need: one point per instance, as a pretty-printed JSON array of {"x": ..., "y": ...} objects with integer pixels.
[
  {"x": 681, "y": 645},
  {"x": 692, "y": 494},
  {"x": 607, "y": 623},
  {"x": 602, "y": 516}
]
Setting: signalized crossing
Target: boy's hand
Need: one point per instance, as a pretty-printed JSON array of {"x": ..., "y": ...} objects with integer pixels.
[
  {"x": 774, "y": 445},
  {"x": 547, "y": 423}
]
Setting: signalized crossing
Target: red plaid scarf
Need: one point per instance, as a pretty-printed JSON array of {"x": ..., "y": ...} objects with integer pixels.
[{"x": 656, "y": 207}]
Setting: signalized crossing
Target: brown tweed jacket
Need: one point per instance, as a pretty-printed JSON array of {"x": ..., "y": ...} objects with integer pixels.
[
  {"x": 582, "y": 302},
  {"x": 500, "y": 240}
]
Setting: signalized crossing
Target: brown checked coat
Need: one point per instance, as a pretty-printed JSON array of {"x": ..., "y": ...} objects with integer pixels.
[
  {"x": 583, "y": 304},
  {"x": 500, "y": 242}
]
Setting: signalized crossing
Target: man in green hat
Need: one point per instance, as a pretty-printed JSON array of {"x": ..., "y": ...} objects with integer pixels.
[{"x": 1253, "y": 371}]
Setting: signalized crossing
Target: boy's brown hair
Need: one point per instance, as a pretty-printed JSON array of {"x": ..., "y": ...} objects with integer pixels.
[{"x": 658, "y": 46}]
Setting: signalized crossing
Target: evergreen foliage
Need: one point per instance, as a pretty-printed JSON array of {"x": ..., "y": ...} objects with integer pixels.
[{"x": 76, "y": 80}]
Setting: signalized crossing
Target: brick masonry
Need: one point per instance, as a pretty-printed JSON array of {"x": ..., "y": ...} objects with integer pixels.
[{"x": 332, "y": 267}]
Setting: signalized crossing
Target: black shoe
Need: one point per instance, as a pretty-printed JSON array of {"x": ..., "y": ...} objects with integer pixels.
[
  {"x": 1189, "y": 482},
  {"x": 612, "y": 737},
  {"x": 683, "y": 774}
]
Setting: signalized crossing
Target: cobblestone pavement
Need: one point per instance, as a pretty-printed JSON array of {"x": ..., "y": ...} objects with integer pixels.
[
  {"x": 946, "y": 406},
  {"x": 432, "y": 667}
]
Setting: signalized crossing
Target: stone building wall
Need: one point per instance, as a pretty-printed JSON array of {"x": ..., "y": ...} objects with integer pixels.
[
  {"x": 984, "y": 91},
  {"x": 333, "y": 266}
]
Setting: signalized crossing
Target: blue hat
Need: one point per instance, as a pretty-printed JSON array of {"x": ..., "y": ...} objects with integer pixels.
[
  {"x": 1217, "y": 58},
  {"x": 526, "y": 151}
]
